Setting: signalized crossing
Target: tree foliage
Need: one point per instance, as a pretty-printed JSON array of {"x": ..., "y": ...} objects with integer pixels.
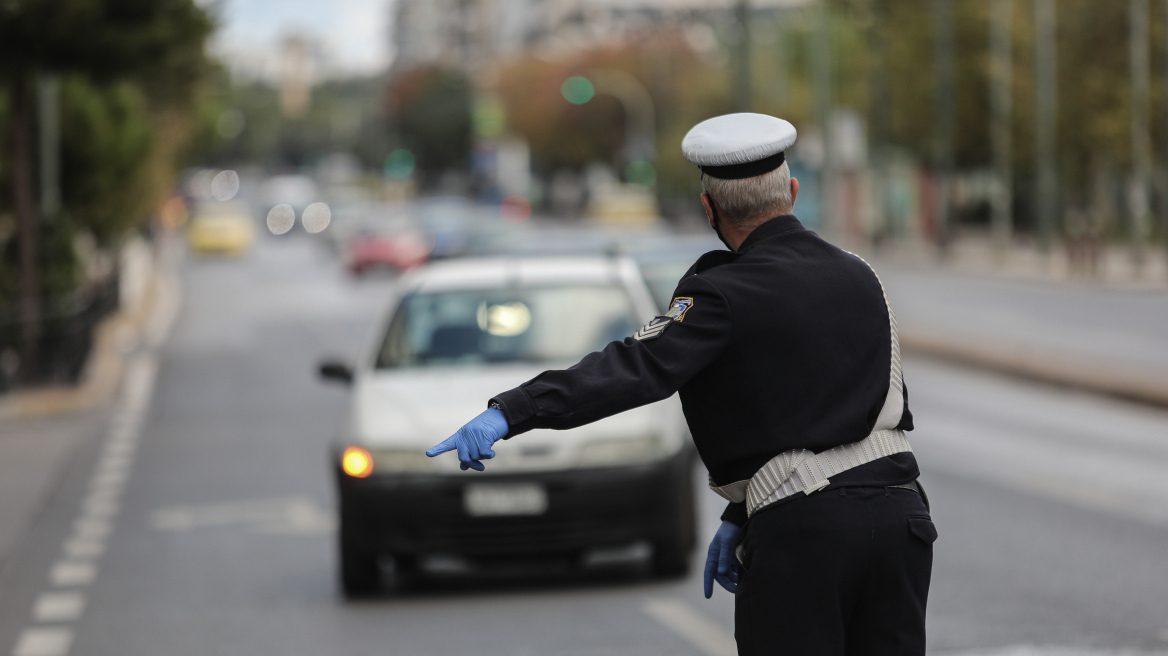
[
  {"x": 430, "y": 112},
  {"x": 130, "y": 72}
]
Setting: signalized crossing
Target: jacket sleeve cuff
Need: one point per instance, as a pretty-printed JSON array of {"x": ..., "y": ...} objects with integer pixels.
[
  {"x": 517, "y": 409},
  {"x": 735, "y": 513}
]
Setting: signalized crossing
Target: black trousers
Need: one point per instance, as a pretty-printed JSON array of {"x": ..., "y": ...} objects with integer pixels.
[{"x": 841, "y": 572}]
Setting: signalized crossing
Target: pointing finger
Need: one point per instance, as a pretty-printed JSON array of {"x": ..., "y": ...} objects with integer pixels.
[
  {"x": 711, "y": 567},
  {"x": 442, "y": 447}
]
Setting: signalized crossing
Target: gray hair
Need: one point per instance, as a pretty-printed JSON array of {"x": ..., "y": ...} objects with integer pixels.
[{"x": 751, "y": 200}]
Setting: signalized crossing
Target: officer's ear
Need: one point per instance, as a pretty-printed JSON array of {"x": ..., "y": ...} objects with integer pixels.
[
  {"x": 709, "y": 209},
  {"x": 794, "y": 191}
]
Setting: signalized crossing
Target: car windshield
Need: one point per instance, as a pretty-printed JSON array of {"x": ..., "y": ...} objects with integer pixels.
[
  {"x": 526, "y": 324},
  {"x": 662, "y": 278}
]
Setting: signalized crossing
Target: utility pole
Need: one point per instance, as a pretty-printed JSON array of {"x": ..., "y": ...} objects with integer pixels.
[
  {"x": 943, "y": 111},
  {"x": 742, "y": 72},
  {"x": 50, "y": 144},
  {"x": 1164, "y": 198},
  {"x": 782, "y": 77},
  {"x": 1141, "y": 148},
  {"x": 821, "y": 90},
  {"x": 880, "y": 131},
  {"x": 23, "y": 204},
  {"x": 1001, "y": 133},
  {"x": 1046, "y": 118}
]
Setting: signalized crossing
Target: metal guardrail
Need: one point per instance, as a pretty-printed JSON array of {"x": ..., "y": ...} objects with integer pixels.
[{"x": 67, "y": 325}]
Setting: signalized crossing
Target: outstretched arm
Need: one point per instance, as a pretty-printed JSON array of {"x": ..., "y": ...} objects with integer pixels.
[{"x": 649, "y": 366}]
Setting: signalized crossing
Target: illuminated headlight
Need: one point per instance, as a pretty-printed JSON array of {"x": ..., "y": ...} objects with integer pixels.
[
  {"x": 357, "y": 462},
  {"x": 621, "y": 452}
]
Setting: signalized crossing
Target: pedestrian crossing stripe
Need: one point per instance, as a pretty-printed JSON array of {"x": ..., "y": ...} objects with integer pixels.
[{"x": 653, "y": 329}]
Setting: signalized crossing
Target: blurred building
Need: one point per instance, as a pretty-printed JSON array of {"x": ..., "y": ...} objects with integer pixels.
[
  {"x": 295, "y": 77},
  {"x": 467, "y": 33}
]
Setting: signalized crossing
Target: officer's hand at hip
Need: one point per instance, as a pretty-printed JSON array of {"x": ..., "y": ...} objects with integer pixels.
[
  {"x": 720, "y": 562},
  {"x": 474, "y": 440}
]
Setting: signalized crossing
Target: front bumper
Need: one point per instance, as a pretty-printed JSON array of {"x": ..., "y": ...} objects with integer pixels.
[{"x": 587, "y": 508}]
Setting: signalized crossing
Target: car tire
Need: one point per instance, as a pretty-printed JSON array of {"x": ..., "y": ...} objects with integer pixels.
[
  {"x": 673, "y": 549},
  {"x": 360, "y": 574}
]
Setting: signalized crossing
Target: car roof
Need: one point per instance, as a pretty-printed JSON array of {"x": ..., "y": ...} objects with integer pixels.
[{"x": 492, "y": 272}]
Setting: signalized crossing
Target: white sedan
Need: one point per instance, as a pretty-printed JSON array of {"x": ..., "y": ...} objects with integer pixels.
[{"x": 461, "y": 332}]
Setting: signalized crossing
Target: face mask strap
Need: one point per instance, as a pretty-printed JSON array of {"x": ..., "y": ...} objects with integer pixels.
[{"x": 716, "y": 220}]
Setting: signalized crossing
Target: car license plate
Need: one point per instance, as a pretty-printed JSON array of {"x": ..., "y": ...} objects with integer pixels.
[{"x": 492, "y": 500}]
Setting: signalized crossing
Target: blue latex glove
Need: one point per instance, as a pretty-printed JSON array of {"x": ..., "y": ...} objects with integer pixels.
[
  {"x": 474, "y": 440},
  {"x": 721, "y": 565}
]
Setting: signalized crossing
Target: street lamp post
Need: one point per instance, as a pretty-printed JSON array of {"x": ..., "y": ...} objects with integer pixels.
[
  {"x": 1001, "y": 45},
  {"x": 943, "y": 107},
  {"x": 1046, "y": 118},
  {"x": 1141, "y": 152}
]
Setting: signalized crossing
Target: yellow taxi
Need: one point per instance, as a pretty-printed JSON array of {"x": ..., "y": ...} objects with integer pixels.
[{"x": 221, "y": 228}]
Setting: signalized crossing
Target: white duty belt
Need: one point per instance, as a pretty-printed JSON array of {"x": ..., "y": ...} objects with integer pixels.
[{"x": 800, "y": 470}]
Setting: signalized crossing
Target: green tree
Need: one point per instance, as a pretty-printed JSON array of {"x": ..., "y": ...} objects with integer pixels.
[
  {"x": 430, "y": 111},
  {"x": 159, "y": 44}
]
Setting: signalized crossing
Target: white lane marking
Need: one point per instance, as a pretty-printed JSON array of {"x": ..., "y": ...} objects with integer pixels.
[
  {"x": 44, "y": 641},
  {"x": 109, "y": 478},
  {"x": 284, "y": 515},
  {"x": 69, "y": 573},
  {"x": 679, "y": 616},
  {"x": 98, "y": 508},
  {"x": 1047, "y": 650},
  {"x": 119, "y": 448},
  {"x": 58, "y": 606},
  {"x": 118, "y": 462},
  {"x": 92, "y": 528},
  {"x": 82, "y": 548}
]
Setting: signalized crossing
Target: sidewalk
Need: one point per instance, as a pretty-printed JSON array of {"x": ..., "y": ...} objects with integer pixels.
[{"x": 41, "y": 429}]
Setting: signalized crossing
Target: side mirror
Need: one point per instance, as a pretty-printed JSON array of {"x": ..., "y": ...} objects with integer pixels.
[{"x": 336, "y": 370}]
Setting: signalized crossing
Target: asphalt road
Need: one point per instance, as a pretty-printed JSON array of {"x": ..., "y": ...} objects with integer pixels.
[{"x": 199, "y": 520}]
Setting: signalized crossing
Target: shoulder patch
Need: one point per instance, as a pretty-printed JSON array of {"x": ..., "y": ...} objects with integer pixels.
[
  {"x": 679, "y": 307},
  {"x": 653, "y": 329}
]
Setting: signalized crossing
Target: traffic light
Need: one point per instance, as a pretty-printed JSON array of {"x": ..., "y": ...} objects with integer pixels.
[{"x": 577, "y": 90}]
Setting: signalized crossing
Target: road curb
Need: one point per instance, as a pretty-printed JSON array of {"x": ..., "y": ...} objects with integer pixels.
[
  {"x": 1025, "y": 361},
  {"x": 144, "y": 323}
]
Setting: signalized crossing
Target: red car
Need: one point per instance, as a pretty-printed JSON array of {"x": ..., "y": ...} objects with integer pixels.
[{"x": 397, "y": 250}]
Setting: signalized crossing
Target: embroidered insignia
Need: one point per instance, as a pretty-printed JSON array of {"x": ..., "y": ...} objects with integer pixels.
[
  {"x": 653, "y": 329},
  {"x": 679, "y": 307}
]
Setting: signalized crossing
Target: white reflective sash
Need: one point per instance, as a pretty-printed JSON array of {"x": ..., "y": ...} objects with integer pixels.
[{"x": 800, "y": 470}]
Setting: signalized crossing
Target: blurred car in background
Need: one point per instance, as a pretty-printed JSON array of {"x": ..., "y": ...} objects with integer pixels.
[
  {"x": 463, "y": 331},
  {"x": 453, "y": 223},
  {"x": 664, "y": 261},
  {"x": 663, "y": 255},
  {"x": 221, "y": 228},
  {"x": 351, "y": 218},
  {"x": 395, "y": 245},
  {"x": 293, "y": 189}
]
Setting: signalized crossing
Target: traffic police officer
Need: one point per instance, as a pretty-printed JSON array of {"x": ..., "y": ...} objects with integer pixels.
[{"x": 784, "y": 351}]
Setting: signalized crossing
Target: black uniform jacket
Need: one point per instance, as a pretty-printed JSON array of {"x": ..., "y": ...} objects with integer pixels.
[{"x": 784, "y": 344}]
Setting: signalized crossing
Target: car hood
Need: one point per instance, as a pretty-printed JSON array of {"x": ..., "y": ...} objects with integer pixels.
[{"x": 417, "y": 408}]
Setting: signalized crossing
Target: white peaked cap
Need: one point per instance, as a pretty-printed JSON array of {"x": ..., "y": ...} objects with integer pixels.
[{"x": 734, "y": 139}]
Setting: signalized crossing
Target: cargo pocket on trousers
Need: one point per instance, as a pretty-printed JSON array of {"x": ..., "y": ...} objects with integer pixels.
[{"x": 922, "y": 527}]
